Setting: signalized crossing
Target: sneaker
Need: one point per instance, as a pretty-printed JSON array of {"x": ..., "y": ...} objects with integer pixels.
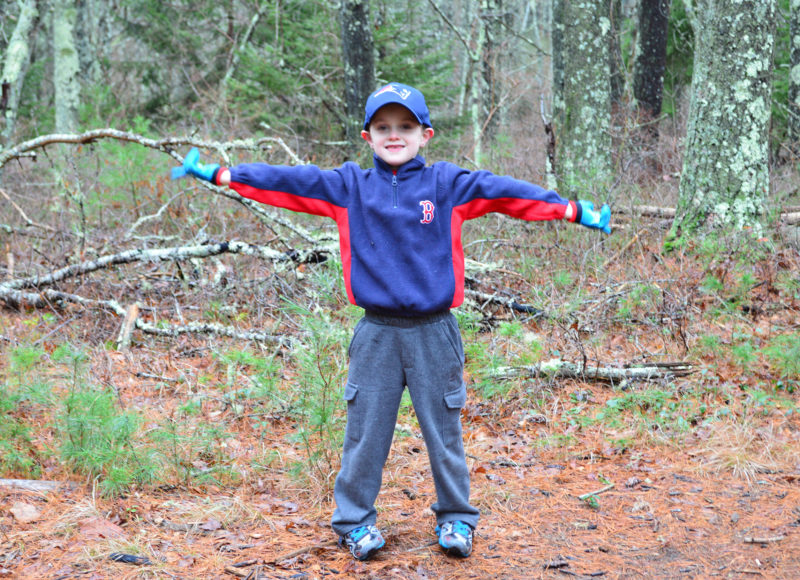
[
  {"x": 363, "y": 542},
  {"x": 456, "y": 538}
]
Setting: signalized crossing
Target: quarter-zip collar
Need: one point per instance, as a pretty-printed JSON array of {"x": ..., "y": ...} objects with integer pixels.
[{"x": 387, "y": 171}]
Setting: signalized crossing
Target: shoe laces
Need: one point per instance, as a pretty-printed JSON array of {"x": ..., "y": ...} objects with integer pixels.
[
  {"x": 358, "y": 533},
  {"x": 461, "y": 528}
]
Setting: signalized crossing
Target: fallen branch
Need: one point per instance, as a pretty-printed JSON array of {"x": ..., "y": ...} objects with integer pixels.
[
  {"x": 484, "y": 298},
  {"x": 49, "y": 297},
  {"x": 124, "y": 339},
  {"x": 556, "y": 368},
  {"x": 763, "y": 540},
  {"x": 37, "y": 485},
  {"x": 792, "y": 218},
  {"x": 586, "y": 496},
  {"x": 788, "y": 216},
  {"x": 300, "y": 551},
  {"x": 165, "y": 254}
]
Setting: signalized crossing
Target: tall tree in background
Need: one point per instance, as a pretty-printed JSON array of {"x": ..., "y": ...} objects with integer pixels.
[
  {"x": 491, "y": 54},
  {"x": 794, "y": 76},
  {"x": 358, "y": 55},
  {"x": 582, "y": 96},
  {"x": 15, "y": 64},
  {"x": 725, "y": 178},
  {"x": 65, "y": 65},
  {"x": 615, "y": 63},
  {"x": 651, "y": 56}
]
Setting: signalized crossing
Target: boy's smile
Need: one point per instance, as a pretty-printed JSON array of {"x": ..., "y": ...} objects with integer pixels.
[{"x": 395, "y": 135}]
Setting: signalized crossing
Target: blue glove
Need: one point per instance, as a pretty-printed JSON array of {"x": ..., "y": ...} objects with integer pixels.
[
  {"x": 192, "y": 166},
  {"x": 593, "y": 219}
]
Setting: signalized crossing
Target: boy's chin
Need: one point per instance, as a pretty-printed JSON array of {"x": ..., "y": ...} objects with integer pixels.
[{"x": 395, "y": 160}]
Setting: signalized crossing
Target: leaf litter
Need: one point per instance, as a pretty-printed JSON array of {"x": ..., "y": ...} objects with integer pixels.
[{"x": 693, "y": 477}]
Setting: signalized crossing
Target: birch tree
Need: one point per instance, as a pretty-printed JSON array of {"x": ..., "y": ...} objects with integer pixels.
[
  {"x": 359, "y": 62},
  {"x": 65, "y": 65},
  {"x": 725, "y": 178},
  {"x": 582, "y": 96},
  {"x": 15, "y": 64}
]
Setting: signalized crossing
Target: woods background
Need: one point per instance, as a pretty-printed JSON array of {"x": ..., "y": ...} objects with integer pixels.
[{"x": 172, "y": 355}]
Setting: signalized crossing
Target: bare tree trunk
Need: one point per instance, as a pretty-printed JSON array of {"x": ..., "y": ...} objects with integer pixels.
[
  {"x": 615, "y": 63},
  {"x": 582, "y": 96},
  {"x": 725, "y": 178},
  {"x": 794, "y": 76},
  {"x": 491, "y": 61},
  {"x": 89, "y": 15},
  {"x": 15, "y": 65},
  {"x": 65, "y": 65},
  {"x": 651, "y": 57},
  {"x": 359, "y": 63}
]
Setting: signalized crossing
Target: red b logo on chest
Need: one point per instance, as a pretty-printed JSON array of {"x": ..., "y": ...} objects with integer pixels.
[{"x": 427, "y": 212}]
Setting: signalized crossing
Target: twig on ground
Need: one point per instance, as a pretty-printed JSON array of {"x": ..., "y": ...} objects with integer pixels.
[
  {"x": 763, "y": 540},
  {"x": 124, "y": 339},
  {"x": 586, "y": 496},
  {"x": 511, "y": 303},
  {"x": 304, "y": 550}
]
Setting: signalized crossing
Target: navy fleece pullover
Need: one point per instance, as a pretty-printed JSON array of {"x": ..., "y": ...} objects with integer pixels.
[{"x": 399, "y": 230}]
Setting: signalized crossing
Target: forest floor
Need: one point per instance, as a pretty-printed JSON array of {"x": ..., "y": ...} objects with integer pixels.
[
  {"x": 693, "y": 476},
  {"x": 715, "y": 498}
]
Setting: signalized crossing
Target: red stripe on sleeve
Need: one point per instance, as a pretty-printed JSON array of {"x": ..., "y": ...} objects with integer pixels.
[
  {"x": 312, "y": 206},
  {"x": 531, "y": 210}
]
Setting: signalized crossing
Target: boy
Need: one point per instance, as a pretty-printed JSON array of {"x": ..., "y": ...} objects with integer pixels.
[{"x": 400, "y": 240}]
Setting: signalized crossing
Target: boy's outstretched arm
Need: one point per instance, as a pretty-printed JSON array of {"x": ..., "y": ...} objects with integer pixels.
[
  {"x": 207, "y": 172},
  {"x": 587, "y": 216}
]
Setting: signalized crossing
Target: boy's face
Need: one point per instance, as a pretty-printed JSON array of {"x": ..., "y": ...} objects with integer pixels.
[{"x": 395, "y": 135}]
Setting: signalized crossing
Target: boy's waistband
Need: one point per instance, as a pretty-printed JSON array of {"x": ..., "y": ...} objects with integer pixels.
[{"x": 406, "y": 321}]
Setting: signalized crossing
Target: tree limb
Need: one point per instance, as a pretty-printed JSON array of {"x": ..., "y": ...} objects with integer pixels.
[
  {"x": 29, "y": 148},
  {"x": 38, "y": 485},
  {"x": 49, "y": 297},
  {"x": 234, "y": 57},
  {"x": 787, "y": 216},
  {"x": 556, "y": 368},
  {"x": 485, "y": 298},
  {"x": 28, "y": 220},
  {"x": 164, "y": 254},
  {"x": 472, "y": 54}
]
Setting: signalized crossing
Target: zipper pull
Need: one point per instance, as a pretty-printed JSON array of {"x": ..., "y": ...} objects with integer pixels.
[{"x": 394, "y": 188}]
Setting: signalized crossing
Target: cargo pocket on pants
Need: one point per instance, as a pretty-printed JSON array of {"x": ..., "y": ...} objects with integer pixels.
[
  {"x": 353, "y": 429},
  {"x": 454, "y": 401}
]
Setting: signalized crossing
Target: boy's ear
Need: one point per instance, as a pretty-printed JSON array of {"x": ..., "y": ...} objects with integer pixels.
[
  {"x": 366, "y": 136},
  {"x": 427, "y": 134}
]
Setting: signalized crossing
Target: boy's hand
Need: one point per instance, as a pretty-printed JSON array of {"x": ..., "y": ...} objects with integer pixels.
[
  {"x": 192, "y": 166},
  {"x": 594, "y": 219}
]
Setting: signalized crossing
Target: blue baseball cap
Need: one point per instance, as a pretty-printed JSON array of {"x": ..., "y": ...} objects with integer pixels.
[{"x": 409, "y": 97}]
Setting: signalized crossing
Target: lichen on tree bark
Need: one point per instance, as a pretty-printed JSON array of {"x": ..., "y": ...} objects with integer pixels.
[{"x": 725, "y": 178}]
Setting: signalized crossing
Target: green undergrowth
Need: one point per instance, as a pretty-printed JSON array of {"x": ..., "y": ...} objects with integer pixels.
[{"x": 54, "y": 411}]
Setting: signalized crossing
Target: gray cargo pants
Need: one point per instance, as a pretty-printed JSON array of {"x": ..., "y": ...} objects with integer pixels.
[{"x": 388, "y": 354}]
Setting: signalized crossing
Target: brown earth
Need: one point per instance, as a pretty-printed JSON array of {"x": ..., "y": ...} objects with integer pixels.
[
  {"x": 717, "y": 497},
  {"x": 664, "y": 517}
]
